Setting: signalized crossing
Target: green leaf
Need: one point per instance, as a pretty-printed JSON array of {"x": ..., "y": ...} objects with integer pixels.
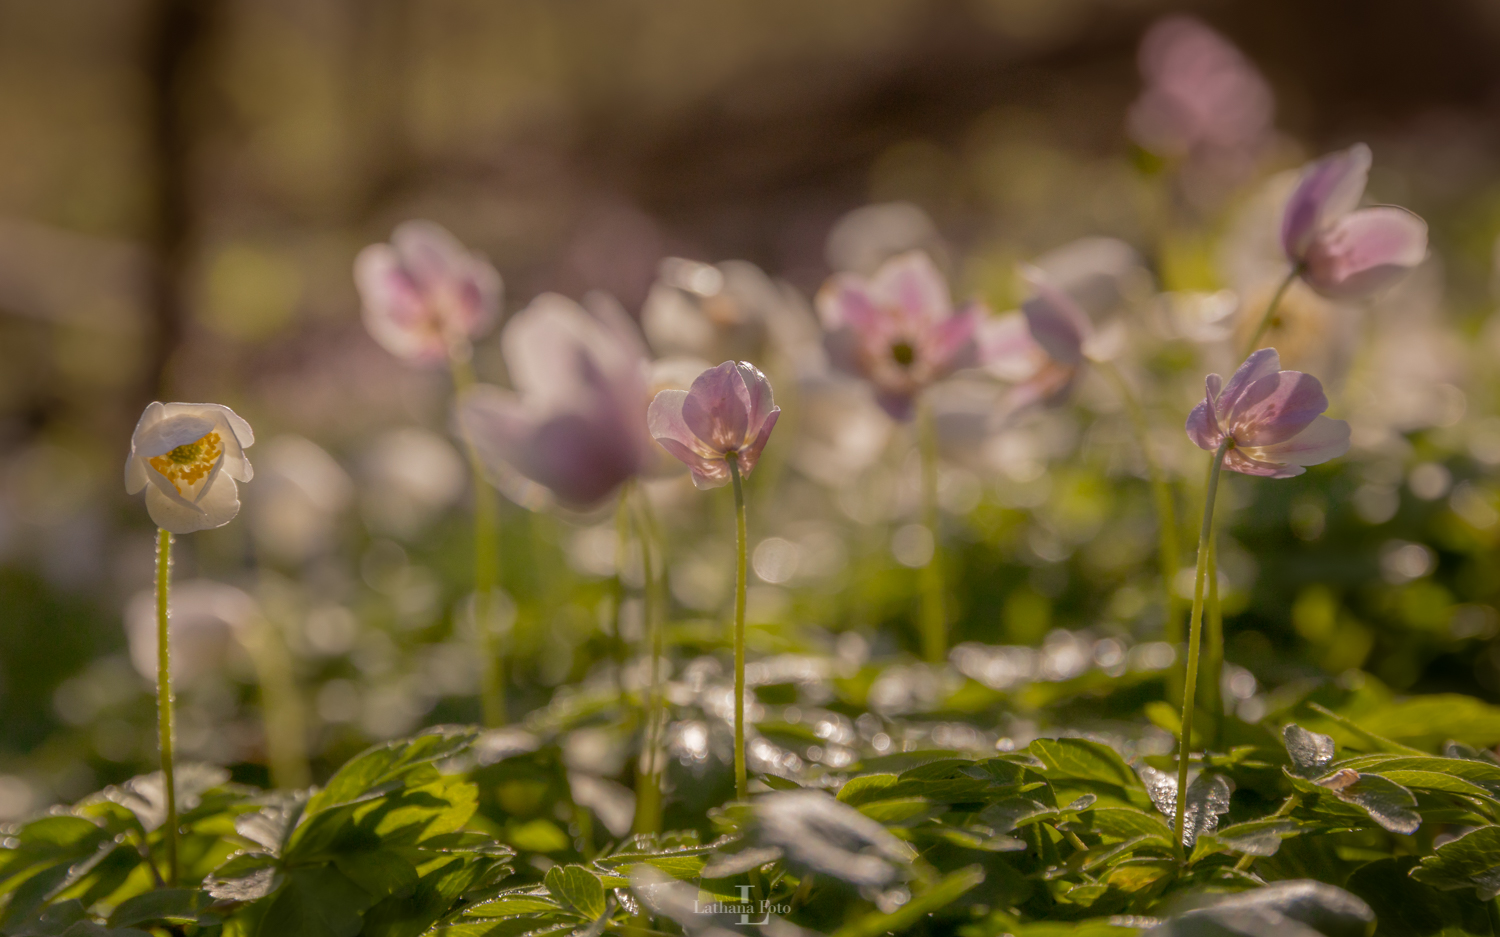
[
  {"x": 381, "y": 768},
  {"x": 379, "y": 872},
  {"x": 1471, "y": 861},
  {"x": 578, "y": 888},
  {"x": 538, "y": 835},
  {"x": 163, "y": 905},
  {"x": 866, "y": 788},
  {"x": 1123, "y": 823},
  {"x": 315, "y": 902},
  {"x": 1254, "y": 837},
  {"x": 944, "y": 893},
  {"x": 1406, "y": 907},
  {"x": 1427, "y": 721},
  {"x": 1084, "y": 759},
  {"x": 511, "y": 905},
  {"x": 1482, "y": 773}
]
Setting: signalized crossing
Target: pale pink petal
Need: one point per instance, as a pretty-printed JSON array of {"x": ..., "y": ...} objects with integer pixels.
[
  {"x": 428, "y": 252},
  {"x": 707, "y": 473},
  {"x": 758, "y": 396},
  {"x": 1056, "y": 322},
  {"x": 1006, "y": 348},
  {"x": 1202, "y": 428},
  {"x": 1329, "y": 189},
  {"x": 394, "y": 310},
  {"x": 1366, "y": 250},
  {"x": 1275, "y": 408},
  {"x": 899, "y": 405},
  {"x": 1237, "y": 461},
  {"x": 1260, "y": 364},
  {"x": 911, "y": 285},
  {"x": 845, "y": 301},
  {"x": 717, "y": 408},
  {"x": 1322, "y": 440},
  {"x": 950, "y": 345},
  {"x": 750, "y": 454},
  {"x": 664, "y": 418}
]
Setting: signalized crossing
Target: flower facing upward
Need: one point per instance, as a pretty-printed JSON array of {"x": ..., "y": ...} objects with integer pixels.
[
  {"x": 1343, "y": 250},
  {"x": 576, "y": 423},
  {"x": 727, "y": 410},
  {"x": 1273, "y": 419},
  {"x": 187, "y": 456},
  {"x": 898, "y": 330},
  {"x": 423, "y": 293}
]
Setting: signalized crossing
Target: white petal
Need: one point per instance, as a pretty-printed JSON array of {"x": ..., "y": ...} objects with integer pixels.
[
  {"x": 173, "y": 431},
  {"x": 218, "y": 506}
]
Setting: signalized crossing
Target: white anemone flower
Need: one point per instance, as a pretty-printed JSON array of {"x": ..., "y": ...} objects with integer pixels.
[{"x": 188, "y": 456}]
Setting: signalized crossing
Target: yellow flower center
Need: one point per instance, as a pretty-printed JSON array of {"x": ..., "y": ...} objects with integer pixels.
[{"x": 189, "y": 462}]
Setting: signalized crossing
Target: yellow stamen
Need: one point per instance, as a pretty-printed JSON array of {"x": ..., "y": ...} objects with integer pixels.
[{"x": 189, "y": 462}]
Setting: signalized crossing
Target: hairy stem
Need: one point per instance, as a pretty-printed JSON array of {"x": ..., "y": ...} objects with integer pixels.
[
  {"x": 934, "y": 620},
  {"x": 164, "y": 725},
  {"x": 1168, "y": 547},
  {"x": 1195, "y": 637},
  {"x": 486, "y": 556},
  {"x": 1213, "y": 681},
  {"x": 741, "y": 782},
  {"x": 648, "y": 778},
  {"x": 1269, "y": 316}
]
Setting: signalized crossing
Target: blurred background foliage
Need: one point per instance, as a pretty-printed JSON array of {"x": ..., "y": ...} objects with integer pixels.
[{"x": 184, "y": 185}]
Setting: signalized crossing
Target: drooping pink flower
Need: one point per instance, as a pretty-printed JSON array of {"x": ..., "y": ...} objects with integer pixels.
[
  {"x": 1042, "y": 349},
  {"x": 1204, "y": 102},
  {"x": 1342, "y": 250},
  {"x": 1273, "y": 419},
  {"x": 576, "y": 422},
  {"x": 727, "y": 410},
  {"x": 424, "y": 293},
  {"x": 898, "y": 330}
]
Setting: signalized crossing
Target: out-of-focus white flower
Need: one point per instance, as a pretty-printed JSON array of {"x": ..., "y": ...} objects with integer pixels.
[
  {"x": 867, "y": 237},
  {"x": 410, "y": 475},
  {"x": 187, "y": 456},
  {"x": 726, "y": 310},
  {"x": 424, "y": 292},
  {"x": 208, "y": 618},
  {"x": 301, "y": 492}
]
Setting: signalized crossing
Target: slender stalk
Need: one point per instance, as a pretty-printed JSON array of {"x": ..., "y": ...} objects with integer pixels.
[
  {"x": 486, "y": 557},
  {"x": 622, "y": 557},
  {"x": 648, "y": 780},
  {"x": 934, "y": 620},
  {"x": 286, "y": 727},
  {"x": 1270, "y": 313},
  {"x": 1168, "y": 547},
  {"x": 1214, "y": 649},
  {"x": 1195, "y": 635},
  {"x": 164, "y": 725},
  {"x": 741, "y": 782}
]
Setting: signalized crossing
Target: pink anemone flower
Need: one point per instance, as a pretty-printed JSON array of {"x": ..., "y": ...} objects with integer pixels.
[
  {"x": 424, "y": 294},
  {"x": 727, "y": 411},
  {"x": 1273, "y": 419},
  {"x": 576, "y": 422},
  {"x": 898, "y": 330},
  {"x": 1344, "y": 251}
]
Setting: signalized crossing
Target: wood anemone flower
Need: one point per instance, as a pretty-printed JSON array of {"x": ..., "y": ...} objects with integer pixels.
[
  {"x": 728, "y": 410},
  {"x": 1272, "y": 418},
  {"x": 187, "y": 456},
  {"x": 424, "y": 293}
]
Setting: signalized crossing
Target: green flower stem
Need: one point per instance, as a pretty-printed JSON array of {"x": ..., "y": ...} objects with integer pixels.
[
  {"x": 1214, "y": 650},
  {"x": 741, "y": 782},
  {"x": 1270, "y": 313},
  {"x": 1195, "y": 636},
  {"x": 286, "y": 725},
  {"x": 486, "y": 557},
  {"x": 164, "y": 725},
  {"x": 1168, "y": 546},
  {"x": 622, "y": 557},
  {"x": 934, "y": 620},
  {"x": 648, "y": 779}
]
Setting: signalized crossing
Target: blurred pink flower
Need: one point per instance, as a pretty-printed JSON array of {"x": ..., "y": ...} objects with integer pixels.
[
  {"x": 576, "y": 423},
  {"x": 898, "y": 330},
  {"x": 727, "y": 410},
  {"x": 423, "y": 294},
  {"x": 1342, "y": 250},
  {"x": 1203, "y": 100},
  {"x": 1273, "y": 418},
  {"x": 1042, "y": 349}
]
